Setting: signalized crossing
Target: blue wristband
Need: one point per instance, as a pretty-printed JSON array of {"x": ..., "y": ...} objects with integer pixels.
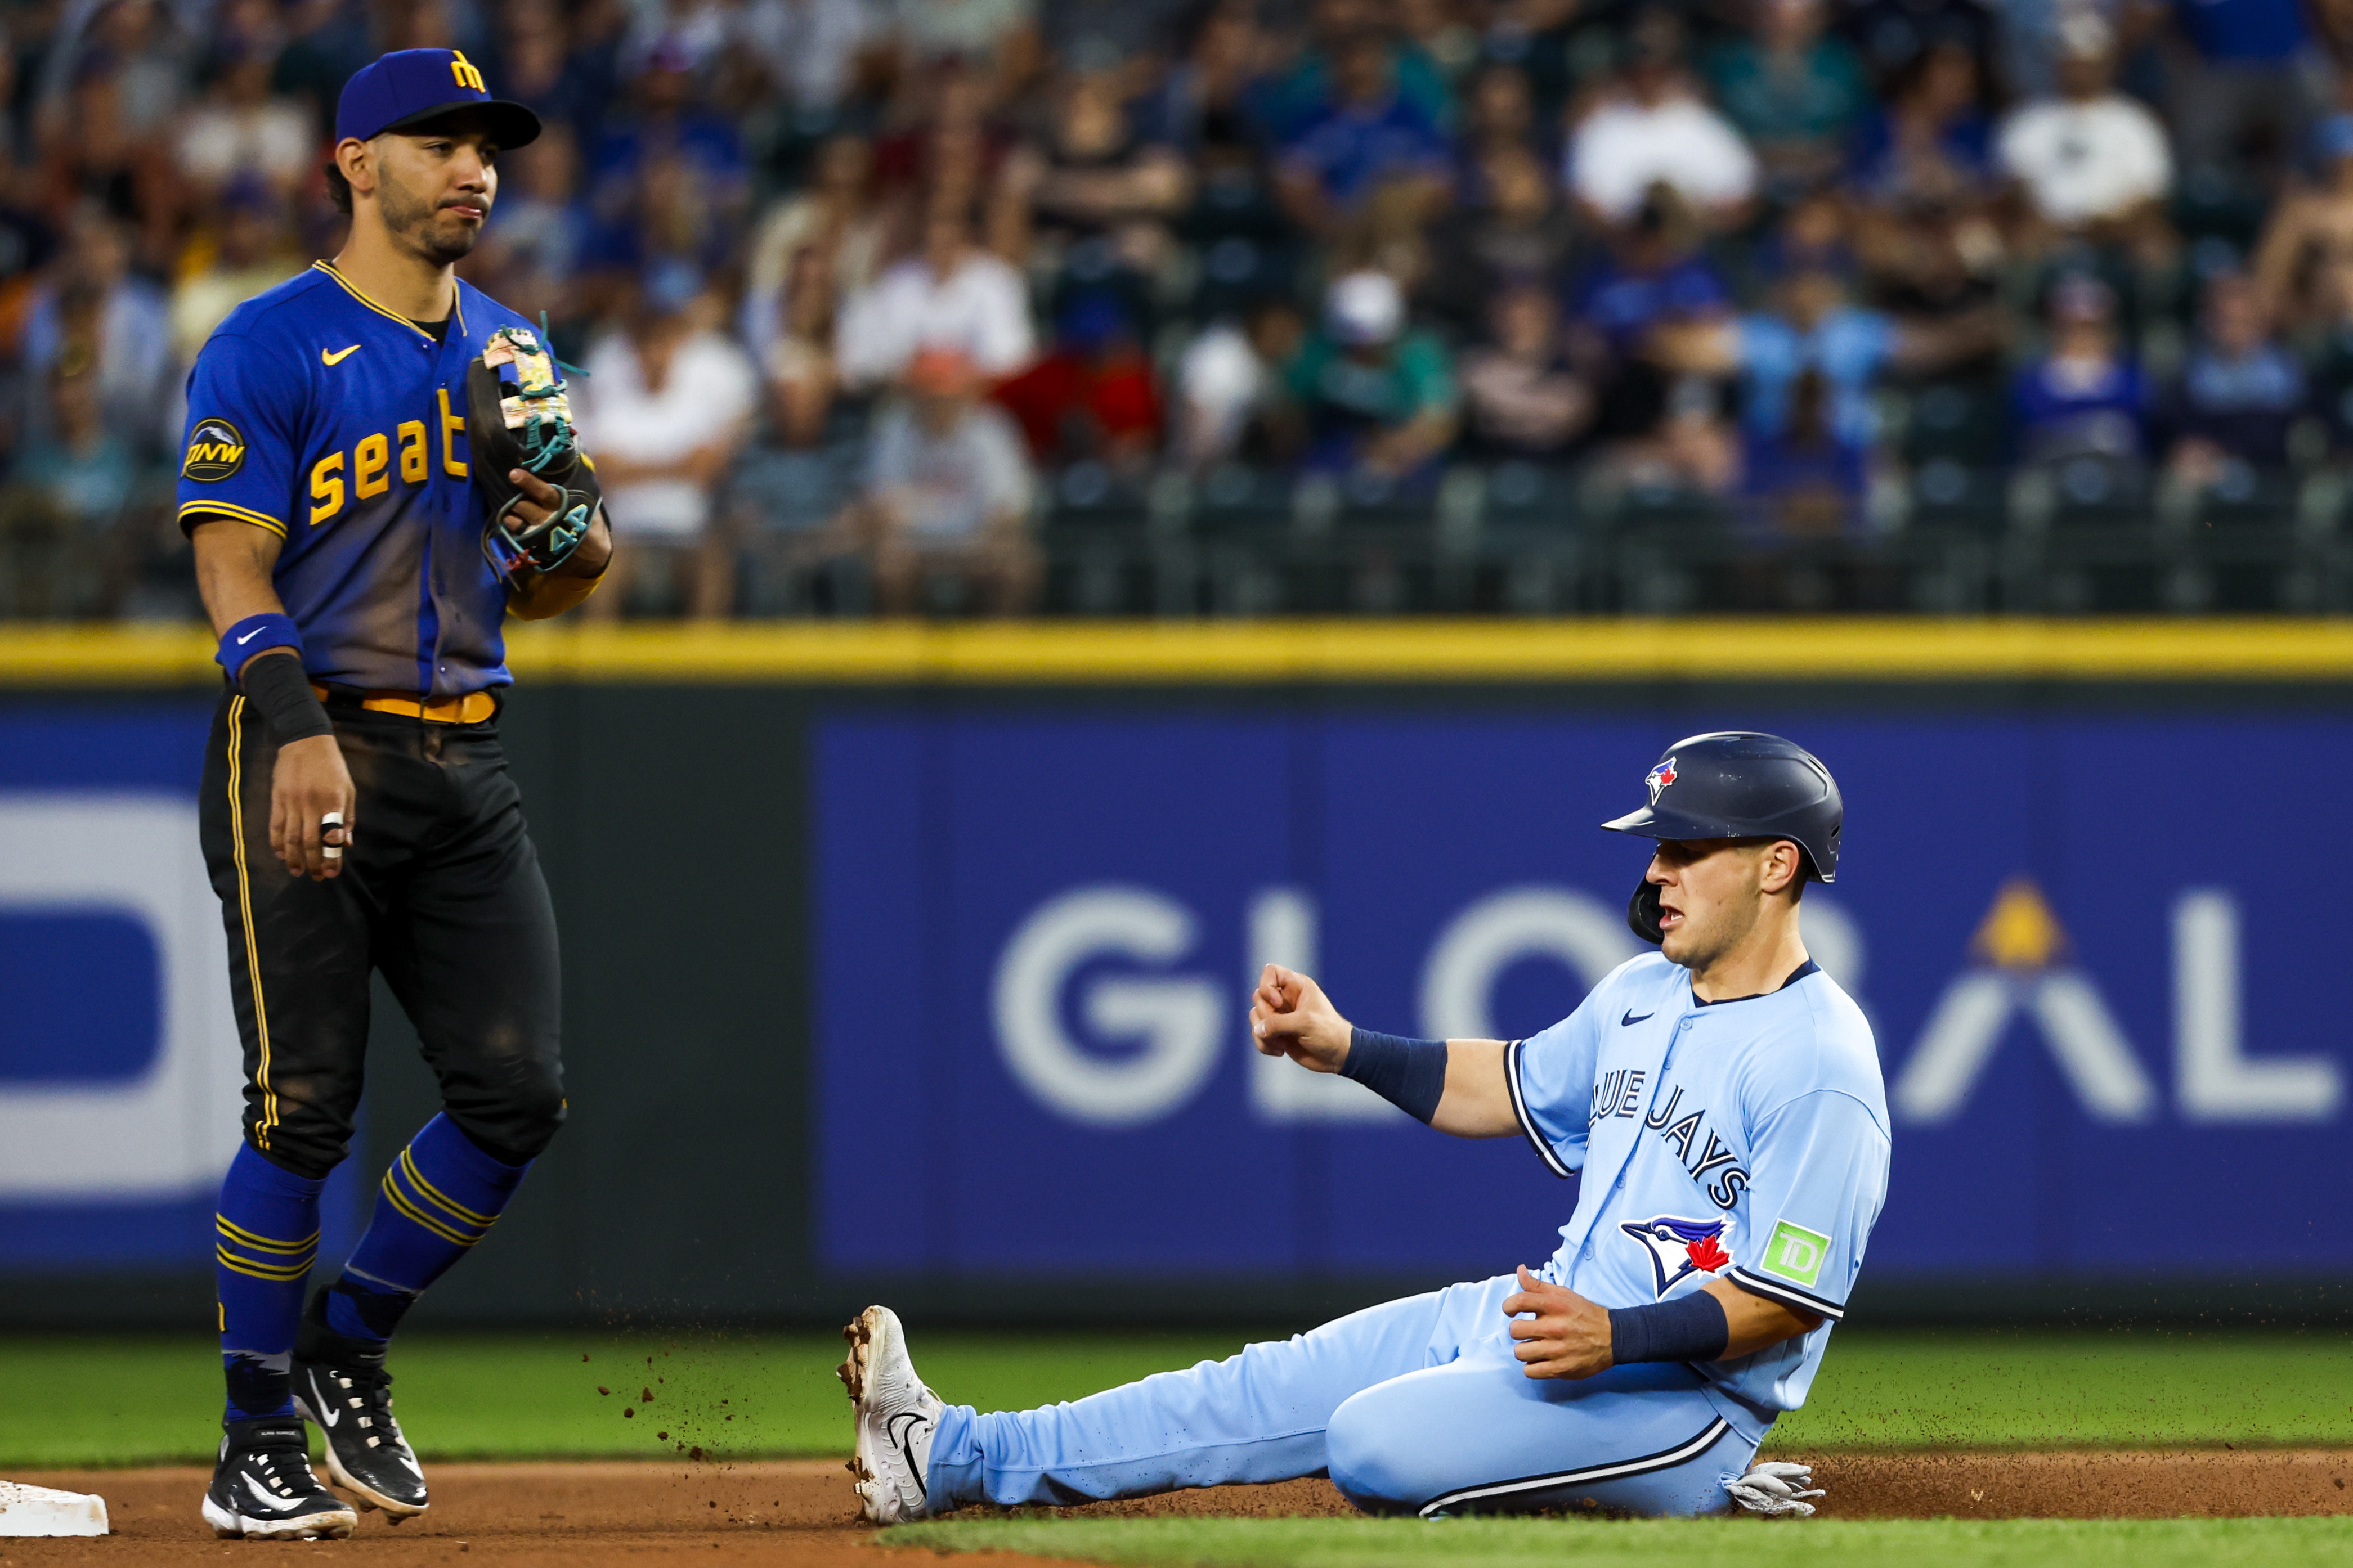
[
  {"x": 1689, "y": 1328},
  {"x": 254, "y": 634},
  {"x": 1408, "y": 1074}
]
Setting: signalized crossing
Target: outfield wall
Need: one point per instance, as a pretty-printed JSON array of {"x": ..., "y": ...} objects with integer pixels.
[{"x": 912, "y": 959}]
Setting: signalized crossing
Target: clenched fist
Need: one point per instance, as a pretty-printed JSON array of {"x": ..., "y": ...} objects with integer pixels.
[{"x": 1290, "y": 1016}]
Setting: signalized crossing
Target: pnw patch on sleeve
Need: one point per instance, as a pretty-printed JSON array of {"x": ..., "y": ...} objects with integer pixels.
[
  {"x": 1794, "y": 1253},
  {"x": 215, "y": 450}
]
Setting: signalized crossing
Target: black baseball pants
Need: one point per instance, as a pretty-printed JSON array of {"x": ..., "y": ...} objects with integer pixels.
[{"x": 441, "y": 891}]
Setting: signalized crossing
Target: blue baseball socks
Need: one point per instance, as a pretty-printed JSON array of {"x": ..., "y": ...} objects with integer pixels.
[
  {"x": 268, "y": 1233},
  {"x": 440, "y": 1196}
]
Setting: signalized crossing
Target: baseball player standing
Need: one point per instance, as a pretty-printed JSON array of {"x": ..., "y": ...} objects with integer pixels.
[
  {"x": 1722, "y": 1098},
  {"x": 358, "y": 547}
]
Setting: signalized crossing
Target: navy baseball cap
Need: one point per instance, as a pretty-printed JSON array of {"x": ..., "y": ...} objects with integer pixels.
[{"x": 408, "y": 86}]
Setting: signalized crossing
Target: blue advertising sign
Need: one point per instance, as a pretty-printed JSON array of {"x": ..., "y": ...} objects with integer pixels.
[
  {"x": 2090, "y": 955},
  {"x": 119, "y": 1058}
]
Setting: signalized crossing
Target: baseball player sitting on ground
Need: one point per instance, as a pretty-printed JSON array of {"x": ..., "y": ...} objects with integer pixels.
[{"x": 1723, "y": 1099}]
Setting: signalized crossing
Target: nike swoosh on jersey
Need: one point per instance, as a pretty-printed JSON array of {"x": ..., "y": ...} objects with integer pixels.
[
  {"x": 338, "y": 356},
  {"x": 1629, "y": 1019}
]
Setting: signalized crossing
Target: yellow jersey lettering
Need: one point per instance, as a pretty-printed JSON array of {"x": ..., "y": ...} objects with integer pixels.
[
  {"x": 452, "y": 426},
  {"x": 412, "y": 451},
  {"x": 326, "y": 488},
  {"x": 369, "y": 460}
]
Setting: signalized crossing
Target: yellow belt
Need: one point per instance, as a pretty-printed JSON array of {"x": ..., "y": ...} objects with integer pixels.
[{"x": 471, "y": 708}]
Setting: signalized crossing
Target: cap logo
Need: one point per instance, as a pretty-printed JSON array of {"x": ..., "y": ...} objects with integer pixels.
[
  {"x": 463, "y": 69},
  {"x": 1660, "y": 778}
]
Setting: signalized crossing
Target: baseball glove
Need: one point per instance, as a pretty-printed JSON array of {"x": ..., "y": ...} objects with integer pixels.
[{"x": 517, "y": 416}]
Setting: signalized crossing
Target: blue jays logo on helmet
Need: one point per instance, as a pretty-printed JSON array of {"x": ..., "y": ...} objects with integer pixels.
[
  {"x": 1660, "y": 777},
  {"x": 1678, "y": 1246}
]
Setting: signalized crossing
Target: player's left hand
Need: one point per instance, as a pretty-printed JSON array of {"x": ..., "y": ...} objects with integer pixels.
[
  {"x": 1568, "y": 1337},
  {"x": 538, "y": 504}
]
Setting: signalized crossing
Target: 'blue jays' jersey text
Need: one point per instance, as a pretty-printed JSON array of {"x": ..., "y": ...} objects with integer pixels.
[
  {"x": 1745, "y": 1140},
  {"x": 339, "y": 424}
]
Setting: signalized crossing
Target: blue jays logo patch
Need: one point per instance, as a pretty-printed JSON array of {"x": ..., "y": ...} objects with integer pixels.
[
  {"x": 1678, "y": 1246},
  {"x": 1660, "y": 778}
]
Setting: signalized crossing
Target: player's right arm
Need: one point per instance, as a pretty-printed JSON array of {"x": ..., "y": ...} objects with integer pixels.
[
  {"x": 1290, "y": 1016},
  {"x": 244, "y": 400},
  {"x": 233, "y": 573}
]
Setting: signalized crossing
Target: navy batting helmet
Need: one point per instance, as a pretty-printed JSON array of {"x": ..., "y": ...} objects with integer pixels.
[{"x": 1737, "y": 783}]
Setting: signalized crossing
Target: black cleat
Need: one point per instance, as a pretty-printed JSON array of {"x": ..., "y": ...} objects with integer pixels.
[
  {"x": 263, "y": 1487},
  {"x": 341, "y": 1386}
]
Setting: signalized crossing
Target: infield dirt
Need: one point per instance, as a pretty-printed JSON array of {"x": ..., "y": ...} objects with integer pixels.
[{"x": 800, "y": 1511}]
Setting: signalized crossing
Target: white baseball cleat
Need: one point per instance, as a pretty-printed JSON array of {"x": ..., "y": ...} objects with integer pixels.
[
  {"x": 1776, "y": 1487},
  {"x": 896, "y": 1417}
]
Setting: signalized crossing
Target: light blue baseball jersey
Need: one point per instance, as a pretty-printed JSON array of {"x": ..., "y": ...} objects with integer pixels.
[
  {"x": 1745, "y": 1139},
  {"x": 319, "y": 413}
]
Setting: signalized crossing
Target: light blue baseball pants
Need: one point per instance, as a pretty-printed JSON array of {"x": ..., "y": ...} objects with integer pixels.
[{"x": 1412, "y": 1406}]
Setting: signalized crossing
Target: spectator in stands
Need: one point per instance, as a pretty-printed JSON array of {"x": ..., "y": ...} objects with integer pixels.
[
  {"x": 796, "y": 355},
  {"x": 813, "y": 251},
  {"x": 95, "y": 309},
  {"x": 1102, "y": 35},
  {"x": 1230, "y": 400},
  {"x": 2244, "y": 96},
  {"x": 1000, "y": 36},
  {"x": 1210, "y": 85},
  {"x": 1286, "y": 101},
  {"x": 1371, "y": 136},
  {"x": 947, "y": 491},
  {"x": 1377, "y": 396},
  {"x": 1650, "y": 127},
  {"x": 2239, "y": 394},
  {"x": 544, "y": 233},
  {"x": 66, "y": 503},
  {"x": 241, "y": 128},
  {"x": 810, "y": 48},
  {"x": 1793, "y": 91},
  {"x": 950, "y": 294},
  {"x": 667, "y": 175},
  {"x": 1522, "y": 233},
  {"x": 665, "y": 407},
  {"x": 1092, "y": 397},
  {"x": 1653, "y": 273},
  {"x": 1811, "y": 328},
  {"x": 2092, "y": 163},
  {"x": 1931, "y": 145},
  {"x": 2083, "y": 397},
  {"x": 1501, "y": 120},
  {"x": 1522, "y": 394},
  {"x": 1100, "y": 196},
  {"x": 2307, "y": 245},
  {"x": 1891, "y": 34},
  {"x": 1799, "y": 478},
  {"x": 249, "y": 254}
]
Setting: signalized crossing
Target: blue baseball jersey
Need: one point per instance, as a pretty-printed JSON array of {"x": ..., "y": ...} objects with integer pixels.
[
  {"x": 339, "y": 425},
  {"x": 1745, "y": 1139}
]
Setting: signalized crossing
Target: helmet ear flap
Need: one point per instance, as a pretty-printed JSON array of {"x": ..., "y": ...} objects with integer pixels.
[{"x": 1642, "y": 913}]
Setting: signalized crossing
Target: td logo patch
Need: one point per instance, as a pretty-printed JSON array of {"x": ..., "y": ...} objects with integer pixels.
[
  {"x": 1796, "y": 1254},
  {"x": 215, "y": 450}
]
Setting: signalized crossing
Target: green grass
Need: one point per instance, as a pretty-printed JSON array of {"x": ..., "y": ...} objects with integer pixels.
[
  {"x": 148, "y": 1399},
  {"x": 1549, "y": 1543},
  {"x": 132, "y": 1400}
]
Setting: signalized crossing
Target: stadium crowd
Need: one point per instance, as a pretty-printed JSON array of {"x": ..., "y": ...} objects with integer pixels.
[{"x": 1188, "y": 306}]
